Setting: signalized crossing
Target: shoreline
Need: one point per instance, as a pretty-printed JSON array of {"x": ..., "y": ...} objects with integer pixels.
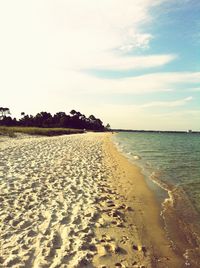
[
  {"x": 130, "y": 182},
  {"x": 184, "y": 236}
]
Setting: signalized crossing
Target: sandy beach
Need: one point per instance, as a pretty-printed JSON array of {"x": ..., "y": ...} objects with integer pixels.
[{"x": 75, "y": 201}]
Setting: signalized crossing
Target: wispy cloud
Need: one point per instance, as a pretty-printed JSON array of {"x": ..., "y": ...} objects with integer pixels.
[
  {"x": 141, "y": 40},
  {"x": 61, "y": 37},
  {"x": 167, "y": 104},
  {"x": 182, "y": 113},
  {"x": 49, "y": 45},
  {"x": 119, "y": 62},
  {"x": 71, "y": 35},
  {"x": 157, "y": 82}
]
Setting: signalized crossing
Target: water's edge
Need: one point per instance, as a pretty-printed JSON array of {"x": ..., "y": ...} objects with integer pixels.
[{"x": 180, "y": 218}]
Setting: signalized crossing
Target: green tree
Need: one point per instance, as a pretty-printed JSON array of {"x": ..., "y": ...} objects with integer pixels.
[
  {"x": 107, "y": 127},
  {"x": 4, "y": 112}
]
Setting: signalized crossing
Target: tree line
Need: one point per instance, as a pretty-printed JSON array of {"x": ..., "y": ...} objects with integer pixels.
[{"x": 59, "y": 120}]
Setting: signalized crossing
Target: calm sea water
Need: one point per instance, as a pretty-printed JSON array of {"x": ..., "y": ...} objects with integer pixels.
[{"x": 173, "y": 158}]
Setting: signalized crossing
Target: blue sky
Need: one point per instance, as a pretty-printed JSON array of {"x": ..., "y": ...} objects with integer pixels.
[{"x": 134, "y": 64}]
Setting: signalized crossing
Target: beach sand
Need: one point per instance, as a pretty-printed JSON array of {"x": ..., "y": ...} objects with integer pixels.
[{"x": 75, "y": 201}]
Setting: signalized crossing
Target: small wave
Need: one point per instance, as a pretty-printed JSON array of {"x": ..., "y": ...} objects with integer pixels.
[{"x": 137, "y": 157}]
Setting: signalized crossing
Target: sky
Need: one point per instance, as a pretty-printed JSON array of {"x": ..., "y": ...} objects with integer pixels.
[{"x": 134, "y": 64}]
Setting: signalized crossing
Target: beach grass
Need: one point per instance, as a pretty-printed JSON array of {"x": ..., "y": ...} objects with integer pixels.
[{"x": 11, "y": 131}]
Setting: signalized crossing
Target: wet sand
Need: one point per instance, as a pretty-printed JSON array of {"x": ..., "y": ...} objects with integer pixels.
[
  {"x": 143, "y": 224},
  {"x": 75, "y": 201}
]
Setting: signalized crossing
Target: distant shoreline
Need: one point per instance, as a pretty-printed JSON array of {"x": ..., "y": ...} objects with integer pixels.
[{"x": 156, "y": 131}]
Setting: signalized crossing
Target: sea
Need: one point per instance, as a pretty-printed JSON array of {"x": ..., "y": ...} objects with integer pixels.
[{"x": 170, "y": 163}]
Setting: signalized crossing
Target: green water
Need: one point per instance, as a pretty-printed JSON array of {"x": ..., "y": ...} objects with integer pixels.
[{"x": 173, "y": 158}]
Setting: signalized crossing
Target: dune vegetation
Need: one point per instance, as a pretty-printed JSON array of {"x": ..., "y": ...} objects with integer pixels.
[{"x": 11, "y": 131}]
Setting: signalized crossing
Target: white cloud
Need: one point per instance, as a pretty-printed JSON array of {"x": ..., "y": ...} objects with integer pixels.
[
  {"x": 157, "y": 82},
  {"x": 167, "y": 104},
  {"x": 140, "y": 41},
  {"x": 70, "y": 35},
  {"x": 45, "y": 43},
  {"x": 117, "y": 62}
]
